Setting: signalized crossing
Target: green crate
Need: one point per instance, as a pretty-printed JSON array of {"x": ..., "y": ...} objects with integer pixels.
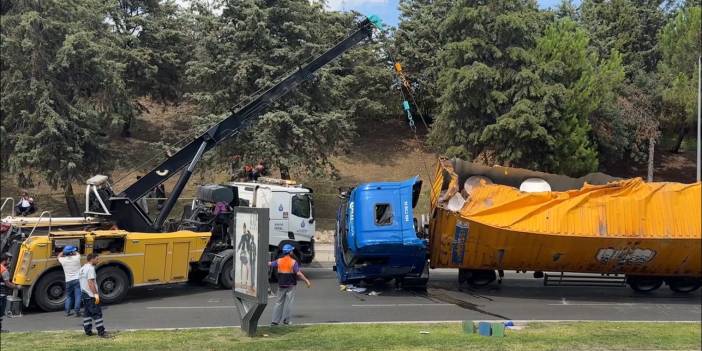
[
  {"x": 498, "y": 329},
  {"x": 468, "y": 327}
]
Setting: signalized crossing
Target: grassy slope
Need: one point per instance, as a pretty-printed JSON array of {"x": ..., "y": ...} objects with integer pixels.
[
  {"x": 552, "y": 336},
  {"x": 384, "y": 150}
]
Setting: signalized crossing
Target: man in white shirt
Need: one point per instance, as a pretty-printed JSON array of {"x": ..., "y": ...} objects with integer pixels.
[
  {"x": 70, "y": 261},
  {"x": 91, "y": 298},
  {"x": 25, "y": 205}
]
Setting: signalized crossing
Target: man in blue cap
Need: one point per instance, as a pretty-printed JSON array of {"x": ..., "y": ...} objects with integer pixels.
[
  {"x": 70, "y": 261},
  {"x": 288, "y": 272}
]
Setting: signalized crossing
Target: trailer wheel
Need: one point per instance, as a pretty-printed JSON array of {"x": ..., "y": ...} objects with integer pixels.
[
  {"x": 481, "y": 278},
  {"x": 50, "y": 291},
  {"x": 113, "y": 284},
  {"x": 644, "y": 284},
  {"x": 684, "y": 285},
  {"x": 226, "y": 278}
]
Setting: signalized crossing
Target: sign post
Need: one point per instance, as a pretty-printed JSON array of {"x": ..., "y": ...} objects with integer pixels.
[{"x": 250, "y": 288}]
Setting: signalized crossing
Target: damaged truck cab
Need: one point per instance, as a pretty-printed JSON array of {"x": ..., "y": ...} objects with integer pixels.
[{"x": 376, "y": 234}]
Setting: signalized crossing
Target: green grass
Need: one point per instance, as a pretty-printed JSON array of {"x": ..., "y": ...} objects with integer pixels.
[{"x": 536, "y": 336}]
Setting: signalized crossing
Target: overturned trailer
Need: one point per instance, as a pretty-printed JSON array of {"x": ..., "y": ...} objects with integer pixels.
[{"x": 487, "y": 219}]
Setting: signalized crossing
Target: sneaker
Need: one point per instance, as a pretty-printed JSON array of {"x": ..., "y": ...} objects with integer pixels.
[
  {"x": 69, "y": 313},
  {"x": 273, "y": 324},
  {"x": 89, "y": 333},
  {"x": 105, "y": 335},
  {"x": 287, "y": 323},
  {"x": 78, "y": 314}
]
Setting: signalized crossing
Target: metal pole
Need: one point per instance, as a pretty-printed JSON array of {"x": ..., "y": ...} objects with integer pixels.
[{"x": 699, "y": 116}]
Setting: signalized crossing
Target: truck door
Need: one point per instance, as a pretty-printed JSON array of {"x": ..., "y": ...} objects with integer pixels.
[
  {"x": 301, "y": 222},
  {"x": 279, "y": 214}
]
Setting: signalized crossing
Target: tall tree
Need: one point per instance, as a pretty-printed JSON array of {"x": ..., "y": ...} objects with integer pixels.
[
  {"x": 61, "y": 84},
  {"x": 680, "y": 42},
  {"x": 418, "y": 42},
  {"x": 628, "y": 27},
  {"x": 492, "y": 103},
  {"x": 565, "y": 60},
  {"x": 254, "y": 43}
]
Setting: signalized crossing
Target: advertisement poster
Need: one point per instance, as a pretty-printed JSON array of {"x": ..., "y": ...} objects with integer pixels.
[{"x": 245, "y": 256}]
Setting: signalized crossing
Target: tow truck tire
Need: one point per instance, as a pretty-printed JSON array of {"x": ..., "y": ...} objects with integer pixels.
[
  {"x": 644, "y": 284},
  {"x": 50, "y": 291},
  {"x": 226, "y": 278},
  {"x": 684, "y": 285},
  {"x": 113, "y": 284}
]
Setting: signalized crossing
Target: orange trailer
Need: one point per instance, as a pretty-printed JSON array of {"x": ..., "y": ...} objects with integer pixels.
[{"x": 649, "y": 233}]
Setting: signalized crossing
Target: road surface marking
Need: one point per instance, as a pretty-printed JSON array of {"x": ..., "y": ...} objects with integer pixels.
[
  {"x": 403, "y": 304},
  {"x": 185, "y": 307},
  {"x": 563, "y": 303}
]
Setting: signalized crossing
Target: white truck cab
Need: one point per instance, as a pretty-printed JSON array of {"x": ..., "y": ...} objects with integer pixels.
[{"x": 291, "y": 212}]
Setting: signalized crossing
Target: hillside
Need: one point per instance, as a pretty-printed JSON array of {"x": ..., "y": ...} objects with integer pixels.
[{"x": 383, "y": 150}]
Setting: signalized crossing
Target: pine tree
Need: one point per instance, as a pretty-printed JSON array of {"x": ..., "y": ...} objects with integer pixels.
[
  {"x": 680, "y": 42},
  {"x": 253, "y": 44},
  {"x": 61, "y": 88}
]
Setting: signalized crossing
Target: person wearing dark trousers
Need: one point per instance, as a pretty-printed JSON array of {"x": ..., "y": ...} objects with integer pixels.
[
  {"x": 6, "y": 286},
  {"x": 91, "y": 298}
]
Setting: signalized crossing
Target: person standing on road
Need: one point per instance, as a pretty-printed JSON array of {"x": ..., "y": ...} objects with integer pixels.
[
  {"x": 91, "y": 298},
  {"x": 288, "y": 272},
  {"x": 6, "y": 286},
  {"x": 70, "y": 261}
]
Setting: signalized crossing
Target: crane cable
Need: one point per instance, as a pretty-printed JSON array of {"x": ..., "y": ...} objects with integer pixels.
[{"x": 404, "y": 82}]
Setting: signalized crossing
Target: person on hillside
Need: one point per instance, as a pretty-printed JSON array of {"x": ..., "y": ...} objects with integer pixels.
[
  {"x": 288, "y": 273},
  {"x": 25, "y": 205},
  {"x": 91, "y": 298},
  {"x": 259, "y": 170},
  {"x": 70, "y": 261},
  {"x": 6, "y": 286}
]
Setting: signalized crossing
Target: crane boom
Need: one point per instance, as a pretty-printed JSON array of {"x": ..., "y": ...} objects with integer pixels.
[{"x": 124, "y": 209}]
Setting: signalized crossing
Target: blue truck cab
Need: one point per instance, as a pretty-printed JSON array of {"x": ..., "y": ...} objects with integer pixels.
[{"x": 376, "y": 235}]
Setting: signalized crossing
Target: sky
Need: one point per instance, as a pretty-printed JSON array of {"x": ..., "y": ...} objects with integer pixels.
[{"x": 387, "y": 9}]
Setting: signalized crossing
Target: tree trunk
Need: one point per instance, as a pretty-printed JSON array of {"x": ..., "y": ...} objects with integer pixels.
[
  {"x": 651, "y": 147},
  {"x": 127, "y": 128},
  {"x": 284, "y": 172},
  {"x": 71, "y": 201},
  {"x": 681, "y": 137}
]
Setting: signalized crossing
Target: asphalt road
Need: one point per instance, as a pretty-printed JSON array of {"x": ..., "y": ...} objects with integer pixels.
[{"x": 519, "y": 297}]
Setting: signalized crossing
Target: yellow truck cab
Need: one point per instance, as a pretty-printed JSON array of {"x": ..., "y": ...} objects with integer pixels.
[{"x": 126, "y": 260}]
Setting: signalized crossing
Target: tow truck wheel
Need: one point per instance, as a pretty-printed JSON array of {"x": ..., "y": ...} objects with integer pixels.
[
  {"x": 644, "y": 284},
  {"x": 227, "y": 276},
  {"x": 113, "y": 284},
  {"x": 50, "y": 291},
  {"x": 684, "y": 285}
]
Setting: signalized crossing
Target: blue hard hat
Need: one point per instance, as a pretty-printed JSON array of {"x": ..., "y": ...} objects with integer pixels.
[
  {"x": 287, "y": 248},
  {"x": 69, "y": 248}
]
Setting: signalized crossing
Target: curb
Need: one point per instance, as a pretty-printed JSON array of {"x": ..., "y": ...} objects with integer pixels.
[{"x": 516, "y": 322}]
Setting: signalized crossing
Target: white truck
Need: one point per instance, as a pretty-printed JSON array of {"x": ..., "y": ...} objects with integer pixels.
[{"x": 291, "y": 212}]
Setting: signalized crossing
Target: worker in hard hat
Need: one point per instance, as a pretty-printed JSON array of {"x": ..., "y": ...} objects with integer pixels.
[
  {"x": 69, "y": 259},
  {"x": 288, "y": 273}
]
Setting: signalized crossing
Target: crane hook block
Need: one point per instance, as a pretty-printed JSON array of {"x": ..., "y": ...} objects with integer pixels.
[
  {"x": 377, "y": 22},
  {"x": 406, "y": 105}
]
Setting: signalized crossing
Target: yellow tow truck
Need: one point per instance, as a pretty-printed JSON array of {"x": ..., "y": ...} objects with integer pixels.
[{"x": 126, "y": 259}]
